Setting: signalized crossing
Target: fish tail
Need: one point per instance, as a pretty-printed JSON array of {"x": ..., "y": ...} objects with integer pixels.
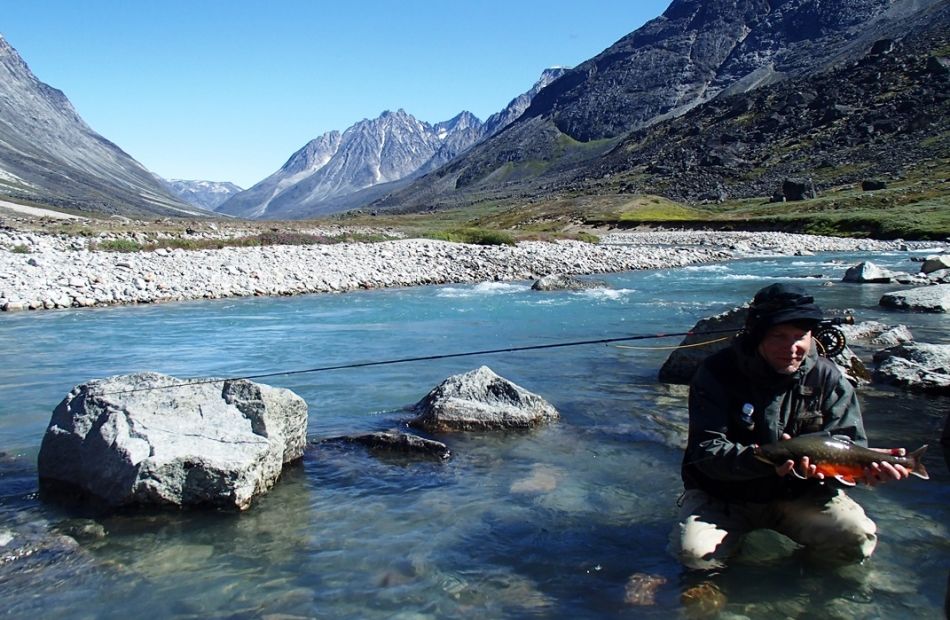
[{"x": 916, "y": 459}]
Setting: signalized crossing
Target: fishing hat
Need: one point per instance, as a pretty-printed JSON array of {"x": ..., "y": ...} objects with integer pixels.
[{"x": 781, "y": 303}]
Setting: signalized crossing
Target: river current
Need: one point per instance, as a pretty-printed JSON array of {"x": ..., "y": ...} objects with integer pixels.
[{"x": 551, "y": 523}]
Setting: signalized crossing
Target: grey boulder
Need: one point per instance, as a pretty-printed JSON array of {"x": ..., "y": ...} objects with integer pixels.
[
  {"x": 937, "y": 262},
  {"x": 707, "y": 336},
  {"x": 481, "y": 400},
  {"x": 915, "y": 366},
  {"x": 149, "y": 438},
  {"x": 934, "y": 298},
  {"x": 867, "y": 273}
]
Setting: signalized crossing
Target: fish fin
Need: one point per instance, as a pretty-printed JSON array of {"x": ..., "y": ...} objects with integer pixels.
[
  {"x": 915, "y": 457},
  {"x": 843, "y": 438},
  {"x": 847, "y": 481}
]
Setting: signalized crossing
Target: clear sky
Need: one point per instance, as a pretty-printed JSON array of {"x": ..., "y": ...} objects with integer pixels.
[{"x": 227, "y": 90}]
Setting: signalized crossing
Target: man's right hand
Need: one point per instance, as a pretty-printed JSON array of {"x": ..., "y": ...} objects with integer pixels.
[{"x": 807, "y": 470}]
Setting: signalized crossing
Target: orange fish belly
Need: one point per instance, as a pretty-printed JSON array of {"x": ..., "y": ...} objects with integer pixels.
[{"x": 848, "y": 472}]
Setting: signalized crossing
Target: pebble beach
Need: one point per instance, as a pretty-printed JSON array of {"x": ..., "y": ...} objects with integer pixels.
[{"x": 39, "y": 270}]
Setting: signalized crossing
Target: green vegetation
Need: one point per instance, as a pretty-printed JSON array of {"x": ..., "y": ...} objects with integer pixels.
[
  {"x": 476, "y": 236},
  {"x": 117, "y": 245},
  {"x": 657, "y": 209},
  {"x": 20, "y": 249}
]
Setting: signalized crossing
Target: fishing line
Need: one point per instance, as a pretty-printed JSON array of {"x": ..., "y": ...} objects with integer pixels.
[
  {"x": 427, "y": 358},
  {"x": 675, "y": 346}
]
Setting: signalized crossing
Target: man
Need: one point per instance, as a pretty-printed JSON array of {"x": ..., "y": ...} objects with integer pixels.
[{"x": 770, "y": 385}]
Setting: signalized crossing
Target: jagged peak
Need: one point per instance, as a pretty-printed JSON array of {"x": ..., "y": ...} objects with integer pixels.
[{"x": 314, "y": 153}]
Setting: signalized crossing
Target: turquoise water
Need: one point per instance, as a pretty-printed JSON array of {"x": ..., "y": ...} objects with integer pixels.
[{"x": 548, "y": 524}]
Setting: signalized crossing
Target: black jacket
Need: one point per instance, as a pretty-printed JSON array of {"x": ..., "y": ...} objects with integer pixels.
[{"x": 719, "y": 457}]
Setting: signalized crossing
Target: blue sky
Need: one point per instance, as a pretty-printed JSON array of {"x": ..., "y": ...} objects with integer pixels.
[{"x": 228, "y": 90}]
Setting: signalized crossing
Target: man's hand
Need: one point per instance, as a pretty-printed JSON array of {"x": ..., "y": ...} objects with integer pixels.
[
  {"x": 879, "y": 473},
  {"x": 807, "y": 470}
]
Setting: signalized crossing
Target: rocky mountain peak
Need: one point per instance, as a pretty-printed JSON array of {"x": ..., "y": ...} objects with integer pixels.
[
  {"x": 338, "y": 170},
  {"x": 314, "y": 155},
  {"x": 699, "y": 48}
]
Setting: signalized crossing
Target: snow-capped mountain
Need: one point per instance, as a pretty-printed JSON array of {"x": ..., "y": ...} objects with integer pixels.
[
  {"x": 339, "y": 171},
  {"x": 388, "y": 148},
  {"x": 204, "y": 194}
]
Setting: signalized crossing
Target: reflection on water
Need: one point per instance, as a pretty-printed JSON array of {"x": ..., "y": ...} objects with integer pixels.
[{"x": 551, "y": 523}]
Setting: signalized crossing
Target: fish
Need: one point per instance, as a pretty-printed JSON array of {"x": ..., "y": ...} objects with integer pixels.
[{"x": 838, "y": 457}]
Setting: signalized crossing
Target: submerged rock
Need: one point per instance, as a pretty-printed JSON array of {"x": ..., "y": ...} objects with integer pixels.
[
  {"x": 399, "y": 442},
  {"x": 149, "y": 438},
  {"x": 641, "y": 589},
  {"x": 915, "y": 366},
  {"x": 481, "y": 400},
  {"x": 559, "y": 282}
]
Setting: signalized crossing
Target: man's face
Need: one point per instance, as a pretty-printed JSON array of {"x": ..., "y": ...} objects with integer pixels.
[{"x": 784, "y": 347}]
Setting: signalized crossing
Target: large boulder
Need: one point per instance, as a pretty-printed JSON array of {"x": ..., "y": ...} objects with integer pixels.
[
  {"x": 877, "y": 333},
  {"x": 481, "y": 400},
  {"x": 149, "y": 438},
  {"x": 935, "y": 263},
  {"x": 798, "y": 189},
  {"x": 934, "y": 298},
  {"x": 707, "y": 336},
  {"x": 867, "y": 273},
  {"x": 915, "y": 366}
]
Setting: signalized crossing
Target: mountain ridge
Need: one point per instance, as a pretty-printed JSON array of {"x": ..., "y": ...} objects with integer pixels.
[
  {"x": 338, "y": 171},
  {"x": 651, "y": 77},
  {"x": 49, "y": 155}
]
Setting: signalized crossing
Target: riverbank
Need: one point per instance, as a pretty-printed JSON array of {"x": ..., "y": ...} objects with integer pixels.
[{"x": 47, "y": 271}]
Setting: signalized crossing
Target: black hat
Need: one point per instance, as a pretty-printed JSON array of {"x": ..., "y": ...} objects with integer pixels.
[{"x": 781, "y": 303}]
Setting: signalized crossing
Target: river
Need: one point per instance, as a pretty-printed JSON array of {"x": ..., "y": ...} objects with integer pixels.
[{"x": 544, "y": 524}]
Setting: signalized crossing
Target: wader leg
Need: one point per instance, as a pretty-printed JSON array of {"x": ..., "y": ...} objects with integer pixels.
[
  {"x": 830, "y": 525},
  {"x": 709, "y": 530}
]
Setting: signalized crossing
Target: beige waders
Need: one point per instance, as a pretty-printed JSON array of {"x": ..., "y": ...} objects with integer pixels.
[{"x": 831, "y": 526}]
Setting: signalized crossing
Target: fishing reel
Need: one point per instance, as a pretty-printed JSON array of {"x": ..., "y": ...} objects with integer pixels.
[{"x": 831, "y": 340}]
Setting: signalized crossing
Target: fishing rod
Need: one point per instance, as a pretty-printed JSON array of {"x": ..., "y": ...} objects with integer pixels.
[
  {"x": 831, "y": 340},
  {"x": 441, "y": 356}
]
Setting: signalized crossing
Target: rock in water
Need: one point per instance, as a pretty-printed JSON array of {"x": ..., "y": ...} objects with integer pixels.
[
  {"x": 867, "y": 272},
  {"x": 149, "y": 438},
  {"x": 560, "y": 282},
  {"x": 915, "y": 366},
  {"x": 641, "y": 589},
  {"x": 397, "y": 442},
  {"x": 716, "y": 331},
  {"x": 934, "y": 298},
  {"x": 481, "y": 400}
]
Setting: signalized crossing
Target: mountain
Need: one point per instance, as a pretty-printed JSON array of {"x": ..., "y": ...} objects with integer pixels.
[
  {"x": 697, "y": 52},
  {"x": 49, "y": 155},
  {"x": 206, "y": 195},
  {"x": 881, "y": 117},
  {"x": 517, "y": 106},
  {"x": 338, "y": 171},
  {"x": 371, "y": 152}
]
